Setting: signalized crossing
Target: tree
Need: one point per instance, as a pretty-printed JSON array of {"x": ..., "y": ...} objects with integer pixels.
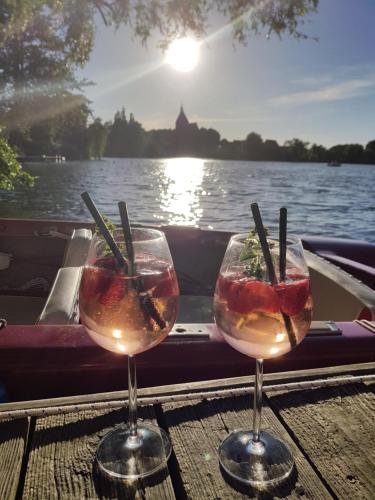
[
  {"x": 43, "y": 42},
  {"x": 253, "y": 146},
  {"x": 96, "y": 139},
  {"x": 125, "y": 138},
  {"x": 354, "y": 153},
  {"x": 117, "y": 132},
  {"x": 296, "y": 150},
  {"x": 271, "y": 150},
  {"x": 59, "y": 127},
  {"x": 317, "y": 153},
  {"x": 39, "y": 60},
  {"x": 39, "y": 109},
  {"x": 170, "y": 18},
  {"x": 11, "y": 172},
  {"x": 369, "y": 152},
  {"x": 134, "y": 138},
  {"x": 158, "y": 143},
  {"x": 230, "y": 150},
  {"x": 207, "y": 142},
  {"x": 337, "y": 153}
]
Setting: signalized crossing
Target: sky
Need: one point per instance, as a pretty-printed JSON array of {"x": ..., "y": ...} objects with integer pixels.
[{"x": 320, "y": 91}]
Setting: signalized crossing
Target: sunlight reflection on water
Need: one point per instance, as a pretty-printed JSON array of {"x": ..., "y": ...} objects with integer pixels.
[
  {"x": 211, "y": 194},
  {"x": 180, "y": 190}
]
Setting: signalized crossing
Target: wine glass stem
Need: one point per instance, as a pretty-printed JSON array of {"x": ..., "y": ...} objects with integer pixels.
[
  {"x": 132, "y": 388},
  {"x": 257, "y": 399}
]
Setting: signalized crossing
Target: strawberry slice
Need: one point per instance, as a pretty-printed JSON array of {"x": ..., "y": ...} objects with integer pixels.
[
  {"x": 166, "y": 286},
  {"x": 114, "y": 292},
  {"x": 93, "y": 281},
  {"x": 108, "y": 262},
  {"x": 248, "y": 295},
  {"x": 222, "y": 286},
  {"x": 293, "y": 295},
  {"x": 162, "y": 284}
]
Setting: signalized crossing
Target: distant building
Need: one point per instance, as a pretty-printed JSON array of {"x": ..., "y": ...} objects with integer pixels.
[
  {"x": 182, "y": 123},
  {"x": 185, "y": 135}
]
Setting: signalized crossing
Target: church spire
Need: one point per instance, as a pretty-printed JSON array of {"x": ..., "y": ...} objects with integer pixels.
[{"x": 182, "y": 122}]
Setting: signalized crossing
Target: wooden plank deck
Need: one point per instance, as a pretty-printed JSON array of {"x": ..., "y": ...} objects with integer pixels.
[{"x": 330, "y": 431}]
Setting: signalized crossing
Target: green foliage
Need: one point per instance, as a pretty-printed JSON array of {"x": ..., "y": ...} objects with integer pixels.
[
  {"x": 169, "y": 18},
  {"x": 41, "y": 45},
  {"x": 317, "y": 153},
  {"x": 252, "y": 255},
  {"x": 11, "y": 172},
  {"x": 96, "y": 139},
  {"x": 111, "y": 226},
  {"x": 296, "y": 150},
  {"x": 253, "y": 146},
  {"x": 346, "y": 153},
  {"x": 126, "y": 138},
  {"x": 58, "y": 127},
  {"x": 43, "y": 42}
]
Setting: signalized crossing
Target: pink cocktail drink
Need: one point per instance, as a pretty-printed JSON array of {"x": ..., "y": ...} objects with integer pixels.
[
  {"x": 119, "y": 311},
  {"x": 251, "y": 314}
]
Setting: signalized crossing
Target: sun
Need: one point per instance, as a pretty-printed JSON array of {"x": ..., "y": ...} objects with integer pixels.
[{"x": 183, "y": 54}]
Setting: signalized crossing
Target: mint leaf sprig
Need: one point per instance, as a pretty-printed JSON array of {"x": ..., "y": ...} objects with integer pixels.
[
  {"x": 252, "y": 255},
  {"x": 112, "y": 229}
]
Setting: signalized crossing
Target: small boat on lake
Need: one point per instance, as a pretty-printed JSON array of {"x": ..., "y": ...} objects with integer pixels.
[
  {"x": 42, "y": 159},
  {"x": 45, "y": 352},
  {"x": 334, "y": 164}
]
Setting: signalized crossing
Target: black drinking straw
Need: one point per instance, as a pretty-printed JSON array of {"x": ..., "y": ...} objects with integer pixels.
[
  {"x": 146, "y": 301},
  {"x": 103, "y": 229},
  {"x": 282, "y": 242},
  {"x": 283, "y": 221},
  {"x": 123, "y": 209},
  {"x": 263, "y": 242},
  {"x": 268, "y": 260}
]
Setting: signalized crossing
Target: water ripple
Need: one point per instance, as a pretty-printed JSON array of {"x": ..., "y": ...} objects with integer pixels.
[{"x": 204, "y": 193}]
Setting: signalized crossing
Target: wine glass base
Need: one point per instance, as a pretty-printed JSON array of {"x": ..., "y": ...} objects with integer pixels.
[
  {"x": 265, "y": 463},
  {"x": 123, "y": 456}
]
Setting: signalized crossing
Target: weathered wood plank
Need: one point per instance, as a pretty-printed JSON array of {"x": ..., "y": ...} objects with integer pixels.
[
  {"x": 61, "y": 463},
  {"x": 355, "y": 369},
  {"x": 335, "y": 427},
  {"x": 13, "y": 436},
  {"x": 197, "y": 431}
]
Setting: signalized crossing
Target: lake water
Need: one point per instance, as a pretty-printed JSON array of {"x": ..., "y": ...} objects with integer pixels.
[{"x": 206, "y": 193}]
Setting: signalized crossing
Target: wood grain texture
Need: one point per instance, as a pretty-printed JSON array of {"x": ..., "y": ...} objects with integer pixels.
[
  {"x": 269, "y": 378},
  {"x": 13, "y": 436},
  {"x": 201, "y": 427},
  {"x": 335, "y": 427},
  {"x": 61, "y": 463}
]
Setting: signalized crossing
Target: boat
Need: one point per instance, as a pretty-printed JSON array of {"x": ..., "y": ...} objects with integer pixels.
[
  {"x": 41, "y": 158},
  {"x": 334, "y": 164},
  {"x": 45, "y": 351}
]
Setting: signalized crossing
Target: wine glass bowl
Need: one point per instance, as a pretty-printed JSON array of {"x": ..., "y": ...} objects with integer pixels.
[
  {"x": 262, "y": 317},
  {"x": 117, "y": 309},
  {"x": 250, "y": 311},
  {"x": 129, "y": 309}
]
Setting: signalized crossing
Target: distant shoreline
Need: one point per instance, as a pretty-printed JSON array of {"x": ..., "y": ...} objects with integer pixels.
[{"x": 166, "y": 158}]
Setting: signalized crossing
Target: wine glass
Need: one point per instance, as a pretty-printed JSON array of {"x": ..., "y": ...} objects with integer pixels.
[
  {"x": 129, "y": 313},
  {"x": 263, "y": 321}
]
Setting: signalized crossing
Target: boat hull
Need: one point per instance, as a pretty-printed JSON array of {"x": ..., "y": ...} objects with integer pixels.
[
  {"x": 44, "y": 361},
  {"x": 49, "y": 360}
]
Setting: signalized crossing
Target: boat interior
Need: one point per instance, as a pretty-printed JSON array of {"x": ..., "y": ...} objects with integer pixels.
[{"x": 41, "y": 261}]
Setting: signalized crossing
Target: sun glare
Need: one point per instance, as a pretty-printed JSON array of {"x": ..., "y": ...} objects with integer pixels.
[{"x": 183, "y": 54}]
